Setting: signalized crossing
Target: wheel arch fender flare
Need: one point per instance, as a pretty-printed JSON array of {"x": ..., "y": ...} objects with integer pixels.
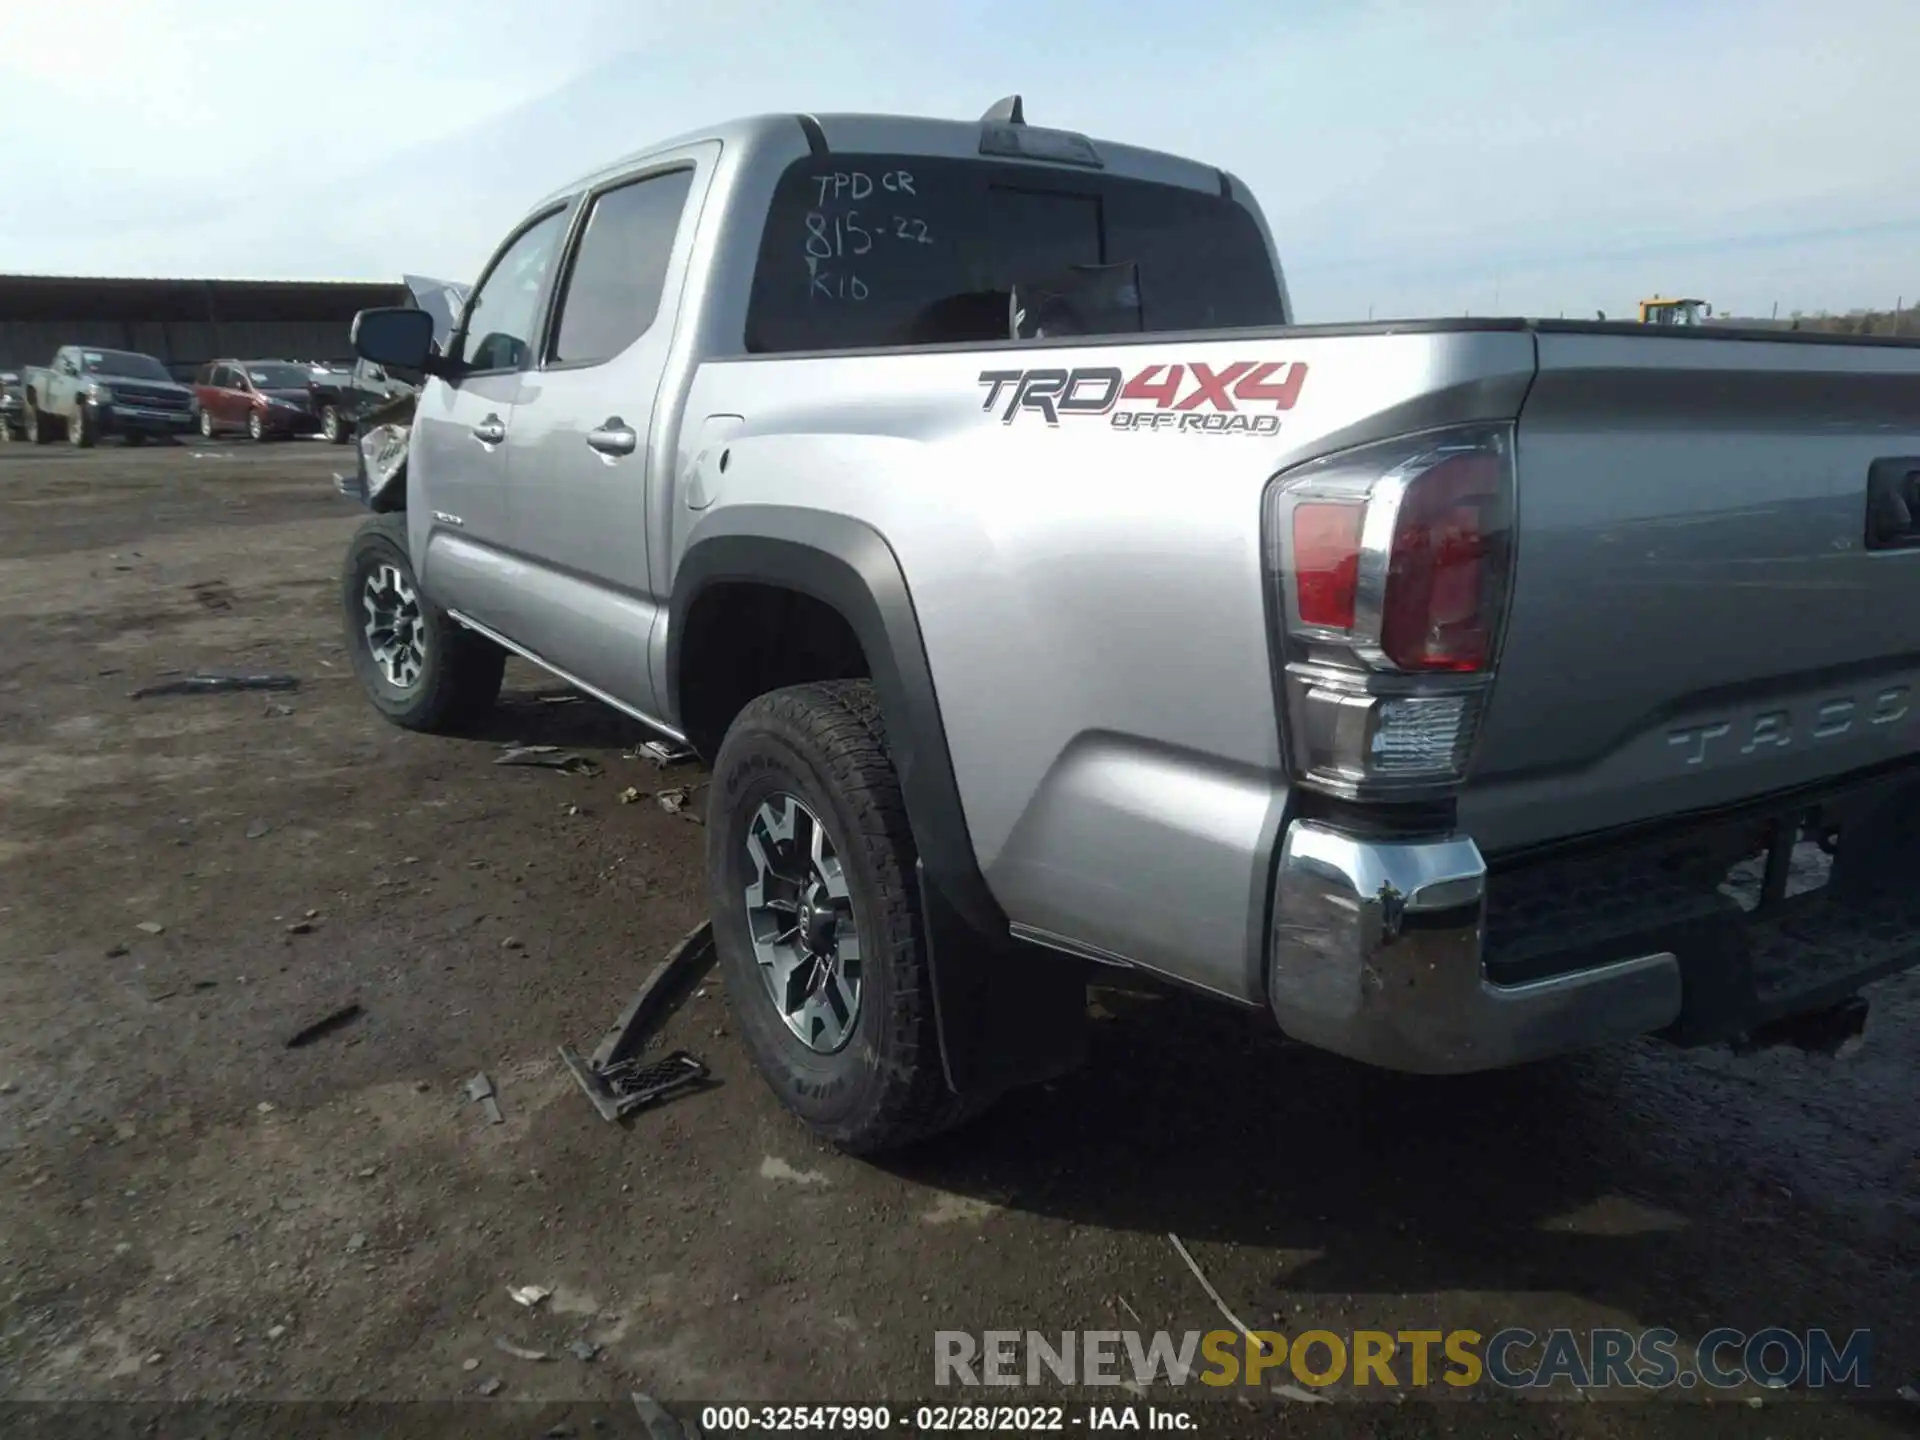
[{"x": 848, "y": 565}]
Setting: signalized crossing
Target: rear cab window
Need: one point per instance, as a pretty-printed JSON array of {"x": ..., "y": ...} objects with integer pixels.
[{"x": 883, "y": 251}]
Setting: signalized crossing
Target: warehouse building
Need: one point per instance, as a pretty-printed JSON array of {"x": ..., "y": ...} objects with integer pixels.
[{"x": 184, "y": 323}]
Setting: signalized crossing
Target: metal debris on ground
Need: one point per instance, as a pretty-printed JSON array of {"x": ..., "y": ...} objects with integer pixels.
[
  {"x": 663, "y": 752},
  {"x": 660, "y": 1425},
  {"x": 631, "y": 795},
  {"x": 1214, "y": 1295},
  {"x": 151, "y": 927},
  {"x": 613, "y": 1079},
  {"x": 333, "y": 1020},
  {"x": 213, "y": 594},
  {"x": 257, "y": 829},
  {"x": 679, "y": 800},
  {"x": 480, "y": 1089},
  {"x": 585, "y": 1351},
  {"x": 529, "y": 1295},
  {"x": 490, "y": 1388},
  {"x": 519, "y": 1352},
  {"x": 1295, "y": 1392},
  {"x": 548, "y": 757},
  {"x": 216, "y": 685},
  {"x": 565, "y": 698}
]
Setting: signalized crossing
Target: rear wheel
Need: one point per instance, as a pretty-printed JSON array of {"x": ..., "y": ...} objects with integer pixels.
[
  {"x": 39, "y": 432},
  {"x": 330, "y": 426},
  {"x": 418, "y": 665},
  {"x": 816, "y": 917}
]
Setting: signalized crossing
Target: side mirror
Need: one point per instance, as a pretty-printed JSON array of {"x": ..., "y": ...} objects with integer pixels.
[{"x": 396, "y": 335}]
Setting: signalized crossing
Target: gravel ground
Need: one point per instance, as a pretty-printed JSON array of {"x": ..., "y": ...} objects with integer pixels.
[{"x": 194, "y": 1211}]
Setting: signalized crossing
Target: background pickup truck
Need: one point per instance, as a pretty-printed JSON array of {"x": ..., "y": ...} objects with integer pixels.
[
  {"x": 1458, "y": 692},
  {"x": 88, "y": 392}
]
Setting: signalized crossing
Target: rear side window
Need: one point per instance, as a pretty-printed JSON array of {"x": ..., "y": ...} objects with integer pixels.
[
  {"x": 612, "y": 291},
  {"x": 874, "y": 251}
]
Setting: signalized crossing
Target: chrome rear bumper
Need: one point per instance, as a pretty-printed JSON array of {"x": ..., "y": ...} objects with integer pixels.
[{"x": 1376, "y": 954}]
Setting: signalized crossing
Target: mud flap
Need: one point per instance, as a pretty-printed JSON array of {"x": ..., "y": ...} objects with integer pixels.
[{"x": 1009, "y": 1014}]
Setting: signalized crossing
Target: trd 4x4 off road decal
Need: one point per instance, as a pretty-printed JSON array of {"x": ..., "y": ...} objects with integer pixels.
[{"x": 1235, "y": 399}]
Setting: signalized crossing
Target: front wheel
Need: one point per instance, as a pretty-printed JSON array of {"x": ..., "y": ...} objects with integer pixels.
[
  {"x": 418, "y": 665},
  {"x": 83, "y": 428},
  {"x": 256, "y": 427},
  {"x": 816, "y": 916},
  {"x": 206, "y": 425}
]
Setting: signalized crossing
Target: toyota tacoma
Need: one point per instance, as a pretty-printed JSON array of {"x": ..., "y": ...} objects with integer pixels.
[{"x": 1458, "y": 692}]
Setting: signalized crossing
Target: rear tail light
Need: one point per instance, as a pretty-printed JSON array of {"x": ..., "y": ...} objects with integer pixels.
[{"x": 1390, "y": 565}]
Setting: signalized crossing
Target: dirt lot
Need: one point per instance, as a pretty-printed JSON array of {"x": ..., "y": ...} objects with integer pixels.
[{"x": 192, "y": 1209}]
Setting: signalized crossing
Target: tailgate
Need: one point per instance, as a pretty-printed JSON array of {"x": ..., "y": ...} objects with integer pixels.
[{"x": 1696, "y": 617}]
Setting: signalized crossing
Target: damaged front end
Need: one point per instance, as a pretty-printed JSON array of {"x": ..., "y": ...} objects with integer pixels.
[
  {"x": 380, "y": 466},
  {"x": 380, "y": 469}
]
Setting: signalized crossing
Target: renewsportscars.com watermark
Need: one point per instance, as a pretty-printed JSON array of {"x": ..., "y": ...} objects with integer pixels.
[{"x": 1512, "y": 1359}]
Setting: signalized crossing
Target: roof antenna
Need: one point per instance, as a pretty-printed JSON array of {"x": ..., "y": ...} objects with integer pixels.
[{"x": 1008, "y": 111}]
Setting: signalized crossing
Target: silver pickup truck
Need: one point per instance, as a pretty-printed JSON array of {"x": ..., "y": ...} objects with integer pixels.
[{"x": 1459, "y": 692}]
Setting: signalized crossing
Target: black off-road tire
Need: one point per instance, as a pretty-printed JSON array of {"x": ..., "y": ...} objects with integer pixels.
[
  {"x": 333, "y": 426},
  {"x": 460, "y": 678},
  {"x": 826, "y": 744},
  {"x": 81, "y": 433}
]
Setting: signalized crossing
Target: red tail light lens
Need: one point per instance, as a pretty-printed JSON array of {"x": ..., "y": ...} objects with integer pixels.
[
  {"x": 1326, "y": 561},
  {"x": 1446, "y": 574}
]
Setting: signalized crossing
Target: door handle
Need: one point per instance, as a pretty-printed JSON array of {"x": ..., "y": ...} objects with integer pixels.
[
  {"x": 490, "y": 431},
  {"x": 614, "y": 437}
]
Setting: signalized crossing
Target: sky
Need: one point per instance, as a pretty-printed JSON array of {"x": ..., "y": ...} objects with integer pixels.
[{"x": 1413, "y": 157}]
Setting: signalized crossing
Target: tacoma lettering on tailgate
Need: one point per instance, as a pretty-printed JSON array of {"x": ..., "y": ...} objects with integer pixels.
[
  {"x": 1197, "y": 398},
  {"x": 1777, "y": 728}
]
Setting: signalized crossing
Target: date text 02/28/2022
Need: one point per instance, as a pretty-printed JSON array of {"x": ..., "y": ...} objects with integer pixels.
[{"x": 942, "y": 1419}]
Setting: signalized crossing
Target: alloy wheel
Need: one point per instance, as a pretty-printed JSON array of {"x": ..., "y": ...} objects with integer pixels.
[
  {"x": 396, "y": 635},
  {"x": 800, "y": 917}
]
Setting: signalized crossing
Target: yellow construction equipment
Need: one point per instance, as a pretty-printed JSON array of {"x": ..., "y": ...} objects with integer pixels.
[{"x": 1674, "y": 312}]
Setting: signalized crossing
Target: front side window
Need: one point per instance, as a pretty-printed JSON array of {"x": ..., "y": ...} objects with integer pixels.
[
  {"x": 876, "y": 251},
  {"x": 501, "y": 315},
  {"x": 612, "y": 290}
]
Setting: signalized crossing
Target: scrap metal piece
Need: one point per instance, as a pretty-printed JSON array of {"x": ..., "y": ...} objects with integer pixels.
[
  {"x": 664, "y": 752},
  {"x": 480, "y": 1089},
  {"x": 333, "y": 1020},
  {"x": 660, "y": 1425},
  {"x": 617, "y": 1087},
  {"x": 216, "y": 685},
  {"x": 548, "y": 757},
  {"x": 629, "y": 1085}
]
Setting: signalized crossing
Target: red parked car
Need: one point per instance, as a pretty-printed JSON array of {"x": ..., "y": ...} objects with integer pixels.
[{"x": 269, "y": 399}]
